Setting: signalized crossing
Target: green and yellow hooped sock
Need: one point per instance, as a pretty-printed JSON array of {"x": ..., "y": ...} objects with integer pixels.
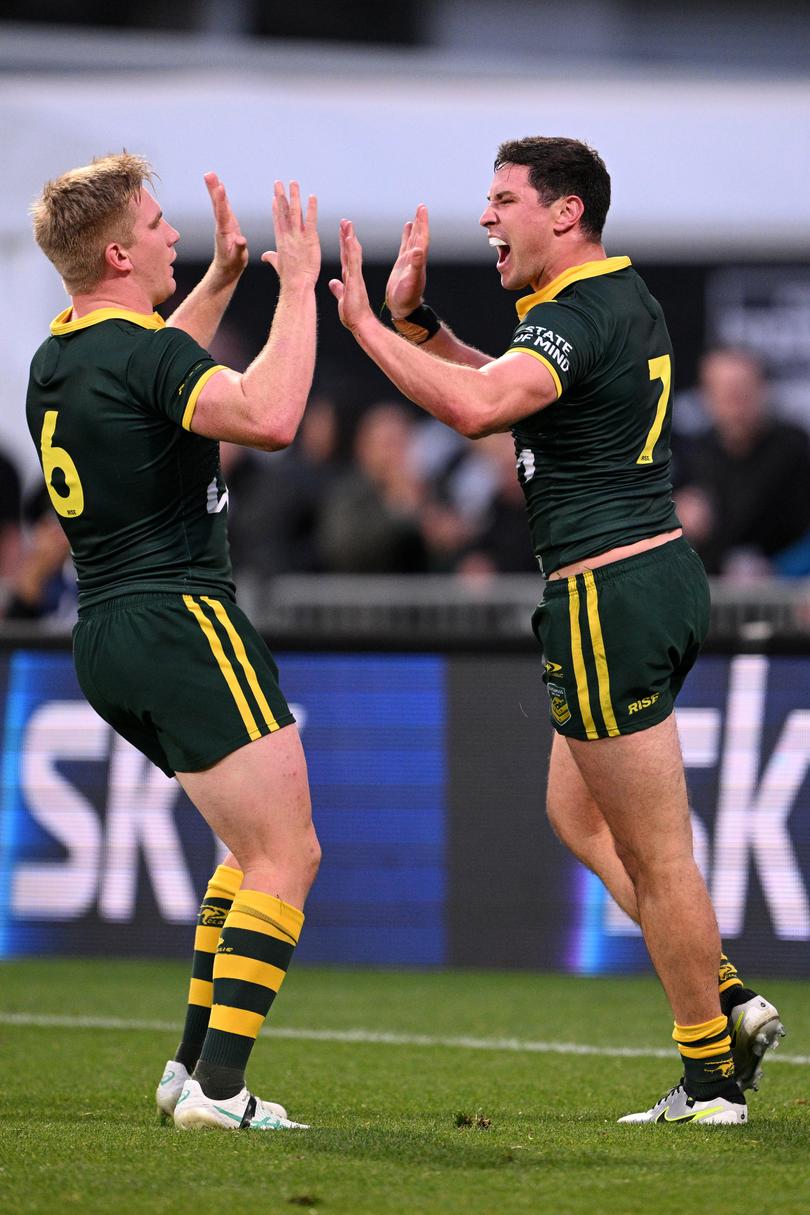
[
  {"x": 706, "y": 1056},
  {"x": 254, "y": 952},
  {"x": 219, "y": 895}
]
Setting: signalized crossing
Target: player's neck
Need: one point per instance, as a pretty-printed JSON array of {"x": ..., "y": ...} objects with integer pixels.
[
  {"x": 575, "y": 254},
  {"x": 126, "y": 296}
]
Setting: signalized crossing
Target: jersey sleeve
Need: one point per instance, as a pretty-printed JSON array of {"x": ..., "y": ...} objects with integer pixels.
[
  {"x": 167, "y": 371},
  {"x": 563, "y": 340}
]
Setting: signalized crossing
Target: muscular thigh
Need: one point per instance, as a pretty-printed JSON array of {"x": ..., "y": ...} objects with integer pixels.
[
  {"x": 639, "y": 785},
  {"x": 572, "y": 809},
  {"x": 185, "y": 678}
]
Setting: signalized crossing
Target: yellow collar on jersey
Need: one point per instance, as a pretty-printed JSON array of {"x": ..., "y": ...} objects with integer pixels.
[
  {"x": 605, "y": 265},
  {"x": 62, "y": 323}
]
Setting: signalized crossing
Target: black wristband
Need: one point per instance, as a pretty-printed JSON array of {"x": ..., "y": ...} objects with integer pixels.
[{"x": 418, "y": 326}]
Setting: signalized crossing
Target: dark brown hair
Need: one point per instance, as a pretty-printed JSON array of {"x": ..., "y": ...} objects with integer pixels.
[{"x": 559, "y": 166}]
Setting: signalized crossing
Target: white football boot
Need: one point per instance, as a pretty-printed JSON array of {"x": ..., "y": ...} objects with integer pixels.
[
  {"x": 677, "y": 1107},
  {"x": 755, "y": 1027},
  {"x": 170, "y": 1087},
  {"x": 244, "y": 1112}
]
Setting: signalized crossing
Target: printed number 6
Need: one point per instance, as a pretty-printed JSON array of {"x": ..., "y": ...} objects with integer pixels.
[
  {"x": 54, "y": 458},
  {"x": 660, "y": 369}
]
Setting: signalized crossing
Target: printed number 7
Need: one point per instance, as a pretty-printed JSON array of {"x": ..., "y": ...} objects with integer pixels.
[{"x": 660, "y": 369}]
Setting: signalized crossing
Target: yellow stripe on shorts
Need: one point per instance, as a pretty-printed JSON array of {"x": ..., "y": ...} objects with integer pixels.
[
  {"x": 225, "y": 667},
  {"x": 579, "y": 662},
  {"x": 599, "y": 655},
  {"x": 247, "y": 666}
]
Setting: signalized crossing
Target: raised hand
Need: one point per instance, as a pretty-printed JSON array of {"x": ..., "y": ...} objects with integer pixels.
[
  {"x": 297, "y": 256},
  {"x": 406, "y": 282},
  {"x": 350, "y": 290},
  {"x": 230, "y": 246}
]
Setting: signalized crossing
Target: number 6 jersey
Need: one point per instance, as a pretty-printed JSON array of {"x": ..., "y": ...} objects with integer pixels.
[
  {"x": 595, "y": 464},
  {"x": 110, "y": 401}
]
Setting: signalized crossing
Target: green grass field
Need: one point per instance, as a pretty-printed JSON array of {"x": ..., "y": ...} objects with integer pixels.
[{"x": 430, "y": 1126}]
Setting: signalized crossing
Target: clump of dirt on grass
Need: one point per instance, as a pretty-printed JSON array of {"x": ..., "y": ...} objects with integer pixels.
[{"x": 479, "y": 1121}]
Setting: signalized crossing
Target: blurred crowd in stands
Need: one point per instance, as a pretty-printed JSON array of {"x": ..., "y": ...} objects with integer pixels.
[{"x": 390, "y": 491}]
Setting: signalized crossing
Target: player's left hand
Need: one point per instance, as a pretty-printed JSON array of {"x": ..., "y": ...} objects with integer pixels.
[
  {"x": 230, "y": 246},
  {"x": 350, "y": 289}
]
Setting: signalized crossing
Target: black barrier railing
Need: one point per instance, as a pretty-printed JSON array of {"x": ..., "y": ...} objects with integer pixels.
[{"x": 441, "y": 613}]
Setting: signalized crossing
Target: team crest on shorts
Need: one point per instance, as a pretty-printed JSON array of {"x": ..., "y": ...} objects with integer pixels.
[{"x": 559, "y": 705}]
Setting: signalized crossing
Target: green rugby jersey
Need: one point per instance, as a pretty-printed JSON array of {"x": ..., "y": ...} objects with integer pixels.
[
  {"x": 595, "y": 464},
  {"x": 110, "y": 400}
]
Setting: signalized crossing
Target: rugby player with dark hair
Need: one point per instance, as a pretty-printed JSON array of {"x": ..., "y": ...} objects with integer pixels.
[{"x": 585, "y": 388}]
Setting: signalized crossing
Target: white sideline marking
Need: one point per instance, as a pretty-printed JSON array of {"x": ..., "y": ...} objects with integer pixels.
[{"x": 371, "y": 1037}]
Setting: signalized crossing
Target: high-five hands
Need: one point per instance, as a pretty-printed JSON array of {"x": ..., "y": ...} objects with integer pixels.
[
  {"x": 350, "y": 290},
  {"x": 406, "y": 282},
  {"x": 230, "y": 246},
  {"x": 297, "y": 256}
]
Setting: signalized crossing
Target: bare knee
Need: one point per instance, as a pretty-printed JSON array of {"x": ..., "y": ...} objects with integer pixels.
[
  {"x": 556, "y": 818},
  {"x": 653, "y": 862},
  {"x": 631, "y": 860},
  {"x": 311, "y": 859},
  {"x": 579, "y": 826}
]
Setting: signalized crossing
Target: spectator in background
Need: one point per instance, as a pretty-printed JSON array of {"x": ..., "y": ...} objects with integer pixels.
[
  {"x": 460, "y": 483},
  {"x": 277, "y": 498},
  {"x": 501, "y": 544},
  {"x": 10, "y": 533},
  {"x": 370, "y": 523},
  {"x": 43, "y": 585},
  {"x": 743, "y": 488}
]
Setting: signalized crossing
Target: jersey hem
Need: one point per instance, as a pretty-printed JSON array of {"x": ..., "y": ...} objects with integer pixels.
[
  {"x": 615, "y": 569},
  {"x": 151, "y": 590}
]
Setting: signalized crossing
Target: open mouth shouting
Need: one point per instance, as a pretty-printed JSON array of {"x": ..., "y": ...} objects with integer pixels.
[{"x": 503, "y": 250}]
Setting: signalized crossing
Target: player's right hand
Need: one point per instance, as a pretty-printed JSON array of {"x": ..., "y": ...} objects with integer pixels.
[
  {"x": 297, "y": 256},
  {"x": 406, "y": 282}
]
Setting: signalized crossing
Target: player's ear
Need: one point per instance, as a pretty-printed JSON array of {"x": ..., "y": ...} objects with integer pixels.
[
  {"x": 117, "y": 257},
  {"x": 568, "y": 212}
]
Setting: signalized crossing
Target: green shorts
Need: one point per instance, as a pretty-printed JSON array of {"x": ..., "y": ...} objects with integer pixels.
[
  {"x": 185, "y": 678},
  {"x": 619, "y": 641}
]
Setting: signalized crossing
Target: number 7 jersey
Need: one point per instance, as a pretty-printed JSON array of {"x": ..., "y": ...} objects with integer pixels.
[
  {"x": 595, "y": 464},
  {"x": 110, "y": 401}
]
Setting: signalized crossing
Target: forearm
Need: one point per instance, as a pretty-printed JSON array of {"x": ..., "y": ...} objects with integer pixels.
[
  {"x": 450, "y": 389},
  {"x": 276, "y": 385},
  {"x": 445, "y": 345},
  {"x": 202, "y": 310}
]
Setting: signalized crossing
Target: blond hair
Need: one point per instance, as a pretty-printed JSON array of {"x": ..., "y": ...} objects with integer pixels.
[{"x": 80, "y": 213}]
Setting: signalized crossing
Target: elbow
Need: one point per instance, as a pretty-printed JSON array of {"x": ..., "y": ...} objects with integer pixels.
[
  {"x": 278, "y": 429},
  {"x": 479, "y": 430},
  {"x": 273, "y": 439},
  {"x": 280, "y": 437},
  {"x": 476, "y": 426},
  {"x": 476, "y": 417}
]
